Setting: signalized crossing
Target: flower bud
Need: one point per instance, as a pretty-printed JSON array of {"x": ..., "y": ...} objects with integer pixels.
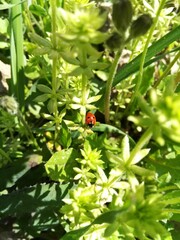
[
  {"x": 122, "y": 13},
  {"x": 9, "y": 104},
  {"x": 115, "y": 41},
  {"x": 140, "y": 26}
]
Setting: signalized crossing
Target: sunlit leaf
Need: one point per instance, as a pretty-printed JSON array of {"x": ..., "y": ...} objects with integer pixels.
[
  {"x": 60, "y": 166},
  {"x": 125, "y": 148},
  {"x": 140, "y": 155},
  {"x": 65, "y": 136},
  {"x": 94, "y": 99}
]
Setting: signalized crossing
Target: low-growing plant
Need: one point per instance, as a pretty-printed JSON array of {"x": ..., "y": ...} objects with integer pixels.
[{"x": 118, "y": 179}]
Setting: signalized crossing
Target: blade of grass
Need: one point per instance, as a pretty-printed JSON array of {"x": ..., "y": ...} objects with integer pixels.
[
  {"x": 167, "y": 69},
  {"x": 17, "y": 55},
  {"x": 54, "y": 65},
  {"x": 133, "y": 66},
  {"x": 5, "y": 6},
  {"x": 140, "y": 75},
  {"x": 154, "y": 49}
]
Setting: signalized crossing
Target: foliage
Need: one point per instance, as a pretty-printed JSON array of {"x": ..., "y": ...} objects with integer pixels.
[{"x": 61, "y": 179}]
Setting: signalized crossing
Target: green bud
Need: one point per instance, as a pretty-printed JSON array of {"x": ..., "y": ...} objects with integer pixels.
[
  {"x": 122, "y": 13},
  {"x": 115, "y": 41},
  {"x": 140, "y": 26}
]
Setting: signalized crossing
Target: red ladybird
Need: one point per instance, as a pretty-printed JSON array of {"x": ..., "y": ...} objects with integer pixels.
[{"x": 90, "y": 119}]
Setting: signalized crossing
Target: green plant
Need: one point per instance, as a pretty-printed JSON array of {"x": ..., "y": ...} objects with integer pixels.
[{"x": 61, "y": 179}]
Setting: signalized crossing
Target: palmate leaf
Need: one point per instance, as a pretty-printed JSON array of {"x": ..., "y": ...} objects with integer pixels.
[
  {"x": 11, "y": 174},
  {"x": 35, "y": 208},
  {"x": 36, "y": 198}
]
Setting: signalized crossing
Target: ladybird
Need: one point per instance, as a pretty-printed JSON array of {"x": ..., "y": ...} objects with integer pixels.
[{"x": 90, "y": 119}]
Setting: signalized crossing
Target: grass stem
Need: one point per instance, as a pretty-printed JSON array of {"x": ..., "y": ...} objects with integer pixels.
[
  {"x": 112, "y": 73},
  {"x": 140, "y": 76}
]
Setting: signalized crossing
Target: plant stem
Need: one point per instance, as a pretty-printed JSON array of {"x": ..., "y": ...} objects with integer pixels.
[
  {"x": 54, "y": 66},
  {"x": 168, "y": 188},
  {"x": 140, "y": 144},
  {"x": 140, "y": 77},
  {"x": 171, "y": 210},
  {"x": 54, "y": 43},
  {"x": 167, "y": 69},
  {"x": 84, "y": 96},
  {"x": 84, "y": 86},
  {"x": 109, "y": 84},
  {"x": 5, "y": 155},
  {"x": 17, "y": 54},
  {"x": 28, "y": 130}
]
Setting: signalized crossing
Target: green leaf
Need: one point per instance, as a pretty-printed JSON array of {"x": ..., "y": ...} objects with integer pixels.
[
  {"x": 42, "y": 97},
  {"x": 60, "y": 165},
  {"x": 30, "y": 197},
  {"x": 115, "y": 159},
  {"x": 99, "y": 65},
  {"x": 94, "y": 99},
  {"x": 169, "y": 165},
  {"x": 111, "y": 129},
  {"x": 125, "y": 148},
  {"x": 65, "y": 136},
  {"x": 41, "y": 51},
  {"x": 52, "y": 105},
  {"x": 172, "y": 197},
  {"x": 111, "y": 229},
  {"x": 39, "y": 203},
  {"x": 44, "y": 88},
  {"x": 11, "y": 174},
  {"x": 76, "y": 234},
  {"x": 37, "y": 10},
  {"x": 140, "y": 155},
  {"x": 108, "y": 217},
  {"x": 142, "y": 171},
  {"x": 77, "y": 71},
  {"x": 70, "y": 59},
  {"x": 40, "y": 40},
  {"x": 147, "y": 79}
]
